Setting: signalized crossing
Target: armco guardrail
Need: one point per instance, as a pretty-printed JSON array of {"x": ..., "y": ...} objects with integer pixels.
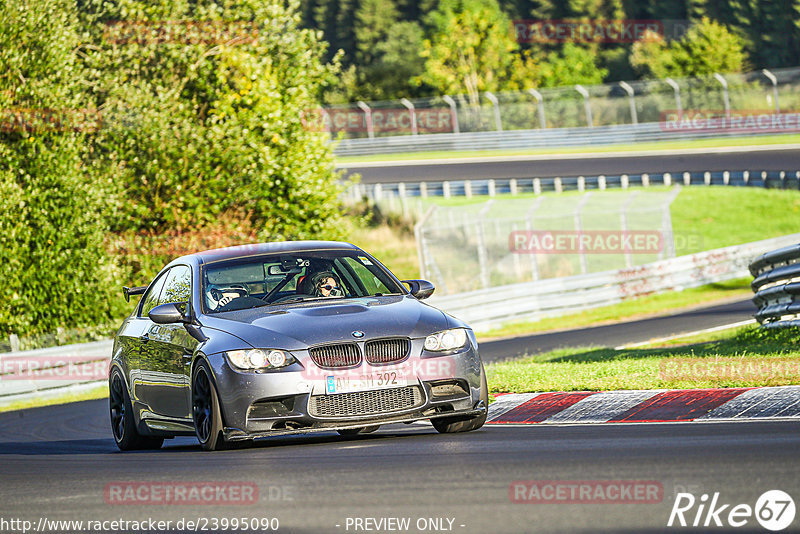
[
  {"x": 777, "y": 286},
  {"x": 487, "y": 308},
  {"x": 787, "y": 179},
  {"x": 524, "y": 139},
  {"x": 26, "y": 373}
]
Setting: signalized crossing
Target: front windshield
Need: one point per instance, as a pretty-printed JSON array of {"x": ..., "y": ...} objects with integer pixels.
[{"x": 285, "y": 278}]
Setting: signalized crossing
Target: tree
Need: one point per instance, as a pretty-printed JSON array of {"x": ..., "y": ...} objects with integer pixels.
[
  {"x": 207, "y": 107},
  {"x": 472, "y": 49},
  {"x": 387, "y": 51},
  {"x": 571, "y": 65},
  {"x": 707, "y": 47},
  {"x": 55, "y": 205}
]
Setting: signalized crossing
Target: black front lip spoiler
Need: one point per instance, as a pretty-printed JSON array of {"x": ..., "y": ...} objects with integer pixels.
[{"x": 236, "y": 434}]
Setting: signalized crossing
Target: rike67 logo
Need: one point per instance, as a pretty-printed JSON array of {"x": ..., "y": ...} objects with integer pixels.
[{"x": 774, "y": 510}]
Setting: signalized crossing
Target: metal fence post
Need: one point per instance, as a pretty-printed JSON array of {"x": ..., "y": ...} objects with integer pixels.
[
  {"x": 483, "y": 256},
  {"x": 529, "y": 226},
  {"x": 668, "y": 248},
  {"x": 771, "y": 77},
  {"x": 540, "y": 106},
  {"x": 586, "y": 105},
  {"x": 413, "y": 112},
  {"x": 453, "y": 112},
  {"x": 677, "y": 89},
  {"x": 492, "y": 188},
  {"x": 420, "y": 238},
  {"x": 401, "y": 192},
  {"x": 498, "y": 123},
  {"x": 367, "y": 117},
  {"x": 725, "y": 97},
  {"x": 579, "y": 228},
  {"x": 623, "y": 221},
  {"x": 632, "y": 100}
]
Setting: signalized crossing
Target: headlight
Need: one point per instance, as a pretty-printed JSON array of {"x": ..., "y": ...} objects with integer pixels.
[
  {"x": 454, "y": 338},
  {"x": 259, "y": 359}
]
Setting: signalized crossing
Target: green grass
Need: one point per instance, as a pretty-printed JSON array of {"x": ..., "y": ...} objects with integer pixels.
[
  {"x": 704, "y": 218},
  {"x": 631, "y": 309},
  {"x": 660, "y": 145},
  {"x": 99, "y": 392},
  {"x": 724, "y": 216},
  {"x": 747, "y": 357}
]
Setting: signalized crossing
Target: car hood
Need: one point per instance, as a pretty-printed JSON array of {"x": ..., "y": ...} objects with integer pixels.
[{"x": 297, "y": 326}]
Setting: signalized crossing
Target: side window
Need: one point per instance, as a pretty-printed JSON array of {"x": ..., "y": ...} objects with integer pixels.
[
  {"x": 370, "y": 281},
  {"x": 150, "y": 299},
  {"x": 178, "y": 285}
]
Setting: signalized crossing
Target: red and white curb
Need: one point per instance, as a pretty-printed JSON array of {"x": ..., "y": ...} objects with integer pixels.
[{"x": 725, "y": 404}]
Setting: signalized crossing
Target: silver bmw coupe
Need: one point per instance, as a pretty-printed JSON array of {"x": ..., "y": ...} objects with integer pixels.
[{"x": 260, "y": 340}]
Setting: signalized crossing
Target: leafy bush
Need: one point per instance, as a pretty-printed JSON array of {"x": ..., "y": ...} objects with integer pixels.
[
  {"x": 176, "y": 125},
  {"x": 206, "y": 117},
  {"x": 52, "y": 261}
]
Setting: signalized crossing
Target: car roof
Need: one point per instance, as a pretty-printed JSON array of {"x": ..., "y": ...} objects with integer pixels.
[{"x": 257, "y": 249}]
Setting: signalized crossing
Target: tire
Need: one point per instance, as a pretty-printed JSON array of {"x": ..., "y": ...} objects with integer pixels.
[
  {"x": 447, "y": 425},
  {"x": 123, "y": 427},
  {"x": 356, "y": 431},
  {"x": 206, "y": 413}
]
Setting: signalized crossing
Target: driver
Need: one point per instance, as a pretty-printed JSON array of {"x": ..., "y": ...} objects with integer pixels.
[
  {"x": 326, "y": 284},
  {"x": 218, "y": 296}
]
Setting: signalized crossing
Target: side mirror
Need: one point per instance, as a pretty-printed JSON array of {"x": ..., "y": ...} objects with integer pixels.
[
  {"x": 421, "y": 289},
  {"x": 167, "y": 314}
]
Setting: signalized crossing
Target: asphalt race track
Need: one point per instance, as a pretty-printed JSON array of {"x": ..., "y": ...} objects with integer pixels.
[
  {"x": 60, "y": 463},
  {"x": 622, "y": 333},
  {"x": 57, "y": 462},
  {"x": 608, "y": 164}
]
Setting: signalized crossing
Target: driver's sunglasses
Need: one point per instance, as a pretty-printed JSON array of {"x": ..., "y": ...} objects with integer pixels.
[{"x": 328, "y": 287}]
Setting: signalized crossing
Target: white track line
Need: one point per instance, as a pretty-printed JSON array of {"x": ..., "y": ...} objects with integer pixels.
[
  {"x": 687, "y": 334},
  {"x": 568, "y": 156}
]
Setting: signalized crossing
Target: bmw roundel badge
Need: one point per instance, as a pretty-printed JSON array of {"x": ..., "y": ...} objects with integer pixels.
[{"x": 357, "y": 333}]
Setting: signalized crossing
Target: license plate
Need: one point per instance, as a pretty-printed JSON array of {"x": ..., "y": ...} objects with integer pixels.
[{"x": 349, "y": 384}]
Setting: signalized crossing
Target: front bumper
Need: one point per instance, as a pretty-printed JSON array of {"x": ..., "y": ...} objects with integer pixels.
[{"x": 288, "y": 401}]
